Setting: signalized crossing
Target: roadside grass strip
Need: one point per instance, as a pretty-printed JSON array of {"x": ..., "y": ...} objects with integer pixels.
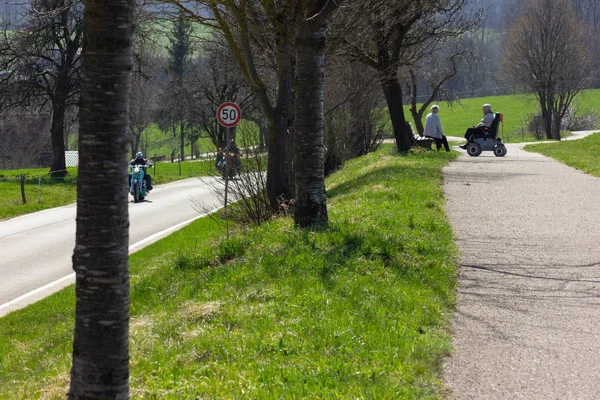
[
  {"x": 41, "y": 191},
  {"x": 583, "y": 154},
  {"x": 359, "y": 309}
]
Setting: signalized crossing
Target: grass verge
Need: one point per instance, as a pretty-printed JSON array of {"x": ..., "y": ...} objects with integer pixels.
[
  {"x": 41, "y": 191},
  {"x": 356, "y": 310},
  {"x": 583, "y": 154}
]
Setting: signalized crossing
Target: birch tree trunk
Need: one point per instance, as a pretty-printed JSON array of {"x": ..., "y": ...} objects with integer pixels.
[
  {"x": 100, "y": 349},
  {"x": 311, "y": 31}
]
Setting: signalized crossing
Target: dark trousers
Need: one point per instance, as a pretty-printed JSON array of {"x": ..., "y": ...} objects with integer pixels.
[
  {"x": 439, "y": 142},
  {"x": 475, "y": 132}
]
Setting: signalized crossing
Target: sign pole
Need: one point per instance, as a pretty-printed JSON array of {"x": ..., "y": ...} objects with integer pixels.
[
  {"x": 227, "y": 161},
  {"x": 228, "y": 115}
]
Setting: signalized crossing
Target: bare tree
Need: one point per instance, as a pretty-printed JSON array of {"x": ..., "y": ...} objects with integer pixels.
[
  {"x": 214, "y": 79},
  {"x": 588, "y": 10},
  {"x": 174, "y": 99},
  {"x": 260, "y": 37},
  {"x": 24, "y": 140},
  {"x": 387, "y": 35},
  {"x": 40, "y": 64},
  {"x": 354, "y": 116},
  {"x": 144, "y": 88},
  {"x": 545, "y": 52},
  {"x": 100, "y": 367},
  {"x": 432, "y": 73}
]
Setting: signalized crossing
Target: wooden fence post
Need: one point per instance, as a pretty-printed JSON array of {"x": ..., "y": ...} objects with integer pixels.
[{"x": 23, "y": 188}]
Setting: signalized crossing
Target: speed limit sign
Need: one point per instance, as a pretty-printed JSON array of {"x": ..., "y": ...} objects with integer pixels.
[{"x": 229, "y": 114}]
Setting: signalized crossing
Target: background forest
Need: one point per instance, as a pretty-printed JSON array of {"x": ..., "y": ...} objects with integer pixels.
[{"x": 184, "y": 69}]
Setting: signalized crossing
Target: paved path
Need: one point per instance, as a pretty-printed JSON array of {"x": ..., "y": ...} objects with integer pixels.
[{"x": 528, "y": 319}]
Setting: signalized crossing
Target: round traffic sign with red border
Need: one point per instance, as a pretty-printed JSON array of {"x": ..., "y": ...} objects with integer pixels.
[{"x": 229, "y": 114}]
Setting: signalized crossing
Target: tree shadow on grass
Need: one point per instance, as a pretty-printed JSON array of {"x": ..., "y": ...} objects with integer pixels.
[
  {"x": 347, "y": 244},
  {"x": 379, "y": 175}
]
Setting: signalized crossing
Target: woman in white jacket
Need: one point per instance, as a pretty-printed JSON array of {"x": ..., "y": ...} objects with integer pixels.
[{"x": 433, "y": 128}]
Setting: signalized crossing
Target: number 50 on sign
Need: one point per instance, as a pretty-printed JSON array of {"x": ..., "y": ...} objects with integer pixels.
[{"x": 229, "y": 114}]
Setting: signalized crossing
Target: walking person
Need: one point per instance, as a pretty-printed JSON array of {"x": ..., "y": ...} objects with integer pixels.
[{"x": 433, "y": 128}]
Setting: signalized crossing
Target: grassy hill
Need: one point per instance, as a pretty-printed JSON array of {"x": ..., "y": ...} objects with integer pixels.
[{"x": 517, "y": 110}]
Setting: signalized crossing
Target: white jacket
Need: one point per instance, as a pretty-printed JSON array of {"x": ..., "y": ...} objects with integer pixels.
[{"x": 433, "y": 126}]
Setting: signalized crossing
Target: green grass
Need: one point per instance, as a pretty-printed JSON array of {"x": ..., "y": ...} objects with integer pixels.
[
  {"x": 359, "y": 309},
  {"x": 166, "y": 172},
  {"x": 41, "y": 191},
  {"x": 583, "y": 154},
  {"x": 461, "y": 115},
  {"x": 163, "y": 143}
]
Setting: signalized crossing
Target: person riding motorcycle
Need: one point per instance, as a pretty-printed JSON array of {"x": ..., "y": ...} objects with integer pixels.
[
  {"x": 234, "y": 153},
  {"x": 224, "y": 156},
  {"x": 140, "y": 160},
  {"x": 233, "y": 149}
]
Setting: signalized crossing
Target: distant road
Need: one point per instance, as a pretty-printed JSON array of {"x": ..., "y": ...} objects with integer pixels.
[{"x": 36, "y": 249}]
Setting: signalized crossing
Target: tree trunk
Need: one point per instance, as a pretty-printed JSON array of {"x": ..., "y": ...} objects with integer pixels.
[
  {"x": 311, "y": 206},
  {"x": 556, "y": 122},
  {"x": 262, "y": 134},
  {"x": 278, "y": 185},
  {"x": 276, "y": 177},
  {"x": 393, "y": 97},
  {"x": 417, "y": 117},
  {"x": 100, "y": 349},
  {"x": 58, "y": 169},
  {"x": 547, "y": 117},
  {"x": 221, "y": 136},
  {"x": 182, "y": 140}
]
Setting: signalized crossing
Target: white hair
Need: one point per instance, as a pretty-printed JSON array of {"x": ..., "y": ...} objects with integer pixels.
[
  {"x": 435, "y": 107},
  {"x": 488, "y": 107}
]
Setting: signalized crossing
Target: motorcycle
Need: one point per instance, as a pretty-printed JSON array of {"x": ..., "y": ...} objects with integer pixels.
[
  {"x": 234, "y": 168},
  {"x": 137, "y": 183}
]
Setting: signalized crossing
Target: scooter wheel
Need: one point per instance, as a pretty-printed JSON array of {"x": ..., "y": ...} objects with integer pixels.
[
  {"x": 473, "y": 149},
  {"x": 499, "y": 150}
]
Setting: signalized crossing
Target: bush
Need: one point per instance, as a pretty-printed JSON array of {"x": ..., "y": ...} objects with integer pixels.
[
  {"x": 536, "y": 126},
  {"x": 248, "y": 203},
  {"x": 582, "y": 121}
]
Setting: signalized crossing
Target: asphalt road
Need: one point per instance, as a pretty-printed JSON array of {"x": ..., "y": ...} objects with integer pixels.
[
  {"x": 527, "y": 324},
  {"x": 36, "y": 249}
]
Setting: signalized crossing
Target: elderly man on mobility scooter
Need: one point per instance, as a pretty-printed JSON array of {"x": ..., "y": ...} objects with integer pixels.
[{"x": 483, "y": 136}]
